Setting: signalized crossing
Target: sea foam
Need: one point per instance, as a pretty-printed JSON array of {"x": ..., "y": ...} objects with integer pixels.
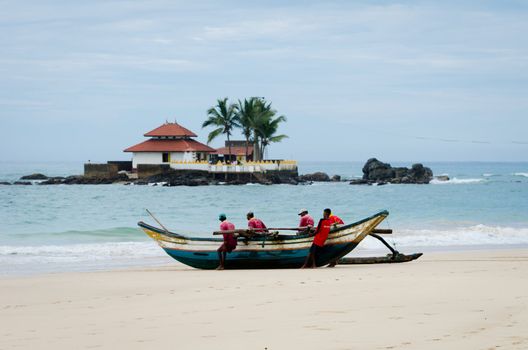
[
  {"x": 456, "y": 181},
  {"x": 462, "y": 236},
  {"x": 521, "y": 174}
]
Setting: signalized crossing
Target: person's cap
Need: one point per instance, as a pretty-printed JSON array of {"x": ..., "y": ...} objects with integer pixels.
[
  {"x": 302, "y": 211},
  {"x": 222, "y": 216}
]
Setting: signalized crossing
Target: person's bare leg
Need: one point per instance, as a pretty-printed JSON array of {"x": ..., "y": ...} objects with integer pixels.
[
  {"x": 310, "y": 261},
  {"x": 221, "y": 257},
  {"x": 313, "y": 262}
]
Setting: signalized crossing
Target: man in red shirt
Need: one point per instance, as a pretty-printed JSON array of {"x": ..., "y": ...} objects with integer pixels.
[
  {"x": 306, "y": 219},
  {"x": 255, "y": 224},
  {"x": 335, "y": 220},
  {"x": 230, "y": 240},
  {"x": 321, "y": 234}
]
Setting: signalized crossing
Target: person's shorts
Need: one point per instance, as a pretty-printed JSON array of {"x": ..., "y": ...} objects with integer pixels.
[
  {"x": 315, "y": 249},
  {"x": 226, "y": 248}
]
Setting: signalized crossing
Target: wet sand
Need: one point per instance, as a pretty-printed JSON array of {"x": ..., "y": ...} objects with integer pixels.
[{"x": 461, "y": 300}]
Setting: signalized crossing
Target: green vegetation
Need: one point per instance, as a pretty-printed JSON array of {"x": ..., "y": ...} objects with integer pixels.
[
  {"x": 255, "y": 117},
  {"x": 224, "y": 117}
]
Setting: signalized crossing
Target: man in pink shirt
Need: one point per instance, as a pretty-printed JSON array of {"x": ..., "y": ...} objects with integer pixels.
[
  {"x": 230, "y": 240},
  {"x": 307, "y": 222},
  {"x": 255, "y": 224}
]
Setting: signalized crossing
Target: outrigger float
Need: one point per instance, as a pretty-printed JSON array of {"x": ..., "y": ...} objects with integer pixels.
[{"x": 272, "y": 250}]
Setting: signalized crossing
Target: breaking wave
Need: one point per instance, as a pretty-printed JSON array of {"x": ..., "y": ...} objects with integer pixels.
[
  {"x": 456, "y": 181},
  {"x": 459, "y": 236},
  {"x": 78, "y": 257},
  {"x": 521, "y": 174}
]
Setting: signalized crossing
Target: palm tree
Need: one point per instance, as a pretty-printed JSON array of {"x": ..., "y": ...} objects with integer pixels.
[
  {"x": 266, "y": 126},
  {"x": 246, "y": 116},
  {"x": 258, "y": 124},
  {"x": 225, "y": 117},
  {"x": 268, "y": 129}
]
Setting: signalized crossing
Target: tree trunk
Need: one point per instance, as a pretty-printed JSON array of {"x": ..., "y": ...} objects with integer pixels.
[
  {"x": 256, "y": 150},
  {"x": 247, "y": 148},
  {"x": 229, "y": 147}
]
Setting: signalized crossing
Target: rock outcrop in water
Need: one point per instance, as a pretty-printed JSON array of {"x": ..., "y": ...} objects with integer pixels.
[
  {"x": 378, "y": 172},
  {"x": 317, "y": 176},
  {"x": 171, "y": 177},
  {"x": 36, "y": 176}
]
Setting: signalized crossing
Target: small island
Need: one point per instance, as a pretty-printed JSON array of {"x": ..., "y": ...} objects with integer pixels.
[{"x": 171, "y": 156}]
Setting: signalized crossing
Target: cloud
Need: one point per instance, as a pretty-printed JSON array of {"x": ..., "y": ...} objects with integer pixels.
[{"x": 391, "y": 64}]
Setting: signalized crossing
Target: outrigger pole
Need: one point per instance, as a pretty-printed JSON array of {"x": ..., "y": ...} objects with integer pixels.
[{"x": 148, "y": 211}]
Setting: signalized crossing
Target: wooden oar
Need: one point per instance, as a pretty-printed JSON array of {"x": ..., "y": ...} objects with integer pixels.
[
  {"x": 259, "y": 230},
  {"x": 250, "y": 230}
]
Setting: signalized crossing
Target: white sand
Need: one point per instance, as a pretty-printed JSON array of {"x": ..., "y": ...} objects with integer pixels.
[{"x": 469, "y": 300}]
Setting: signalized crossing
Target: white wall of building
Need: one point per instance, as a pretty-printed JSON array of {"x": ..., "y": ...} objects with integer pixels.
[
  {"x": 157, "y": 157},
  {"x": 182, "y": 156},
  {"x": 146, "y": 158}
]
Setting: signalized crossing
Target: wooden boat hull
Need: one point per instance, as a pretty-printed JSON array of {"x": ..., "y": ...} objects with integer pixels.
[{"x": 283, "y": 251}]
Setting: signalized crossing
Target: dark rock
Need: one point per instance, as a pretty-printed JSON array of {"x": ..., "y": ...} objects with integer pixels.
[
  {"x": 22, "y": 183},
  {"x": 53, "y": 181},
  {"x": 181, "y": 178},
  {"x": 336, "y": 178},
  {"x": 374, "y": 170},
  {"x": 5, "y": 183},
  {"x": 400, "y": 172},
  {"x": 83, "y": 180},
  {"x": 36, "y": 176},
  {"x": 171, "y": 177},
  {"x": 359, "y": 182},
  {"x": 378, "y": 172},
  {"x": 318, "y": 176},
  {"x": 420, "y": 174},
  {"x": 442, "y": 178}
]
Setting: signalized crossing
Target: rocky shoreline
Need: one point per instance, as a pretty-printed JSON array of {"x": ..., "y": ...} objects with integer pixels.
[{"x": 374, "y": 172}]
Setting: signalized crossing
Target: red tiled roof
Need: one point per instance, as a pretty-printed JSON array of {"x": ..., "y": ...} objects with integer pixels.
[
  {"x": 235, "y": 150},
  {"x": 170, "y": 129},
  {"x": 154, "y": 145}
]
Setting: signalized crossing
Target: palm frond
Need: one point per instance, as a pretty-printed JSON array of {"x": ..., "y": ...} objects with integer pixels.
[{"x": 214, "y": 134}]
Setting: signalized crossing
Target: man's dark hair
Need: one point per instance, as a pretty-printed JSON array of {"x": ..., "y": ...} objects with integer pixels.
[
  {"x": 328, "y": 211},
  {"x": 250, "y": 214}
]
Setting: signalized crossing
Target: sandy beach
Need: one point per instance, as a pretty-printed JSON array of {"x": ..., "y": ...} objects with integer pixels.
[{"x": 462, "y": 300}]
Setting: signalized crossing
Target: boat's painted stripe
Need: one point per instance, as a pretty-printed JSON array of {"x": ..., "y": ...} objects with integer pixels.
[
  {"x": 351, "y": 235},
  {"x": 383, "y": 213},
  {"x": 260, "y": 240}
]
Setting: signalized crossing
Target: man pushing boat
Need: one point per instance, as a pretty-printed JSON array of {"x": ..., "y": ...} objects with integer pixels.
[
  {"x": 230, "y": 240},
  {"x": 320, "y": 236}
]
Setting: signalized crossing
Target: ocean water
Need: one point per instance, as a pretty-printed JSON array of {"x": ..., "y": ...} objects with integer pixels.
[{"x": 86, "y": 227}]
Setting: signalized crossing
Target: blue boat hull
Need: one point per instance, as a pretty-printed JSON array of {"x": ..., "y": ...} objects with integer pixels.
[{"x": 283, "y": 259}]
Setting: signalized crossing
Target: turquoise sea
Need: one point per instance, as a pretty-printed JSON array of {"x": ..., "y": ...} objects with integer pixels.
[{"x": 87, "y": 227}]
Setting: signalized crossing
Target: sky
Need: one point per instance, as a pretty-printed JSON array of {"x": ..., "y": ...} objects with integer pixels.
[{"x": 396, "y": 80}]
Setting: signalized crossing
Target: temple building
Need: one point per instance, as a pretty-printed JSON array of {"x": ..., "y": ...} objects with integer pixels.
[
  {"x": 238, "y": 152},
  {"x": 168, "y": 143}
]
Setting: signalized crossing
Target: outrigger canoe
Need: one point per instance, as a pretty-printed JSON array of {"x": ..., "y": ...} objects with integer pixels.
[{"x": 263, "y": 251}]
